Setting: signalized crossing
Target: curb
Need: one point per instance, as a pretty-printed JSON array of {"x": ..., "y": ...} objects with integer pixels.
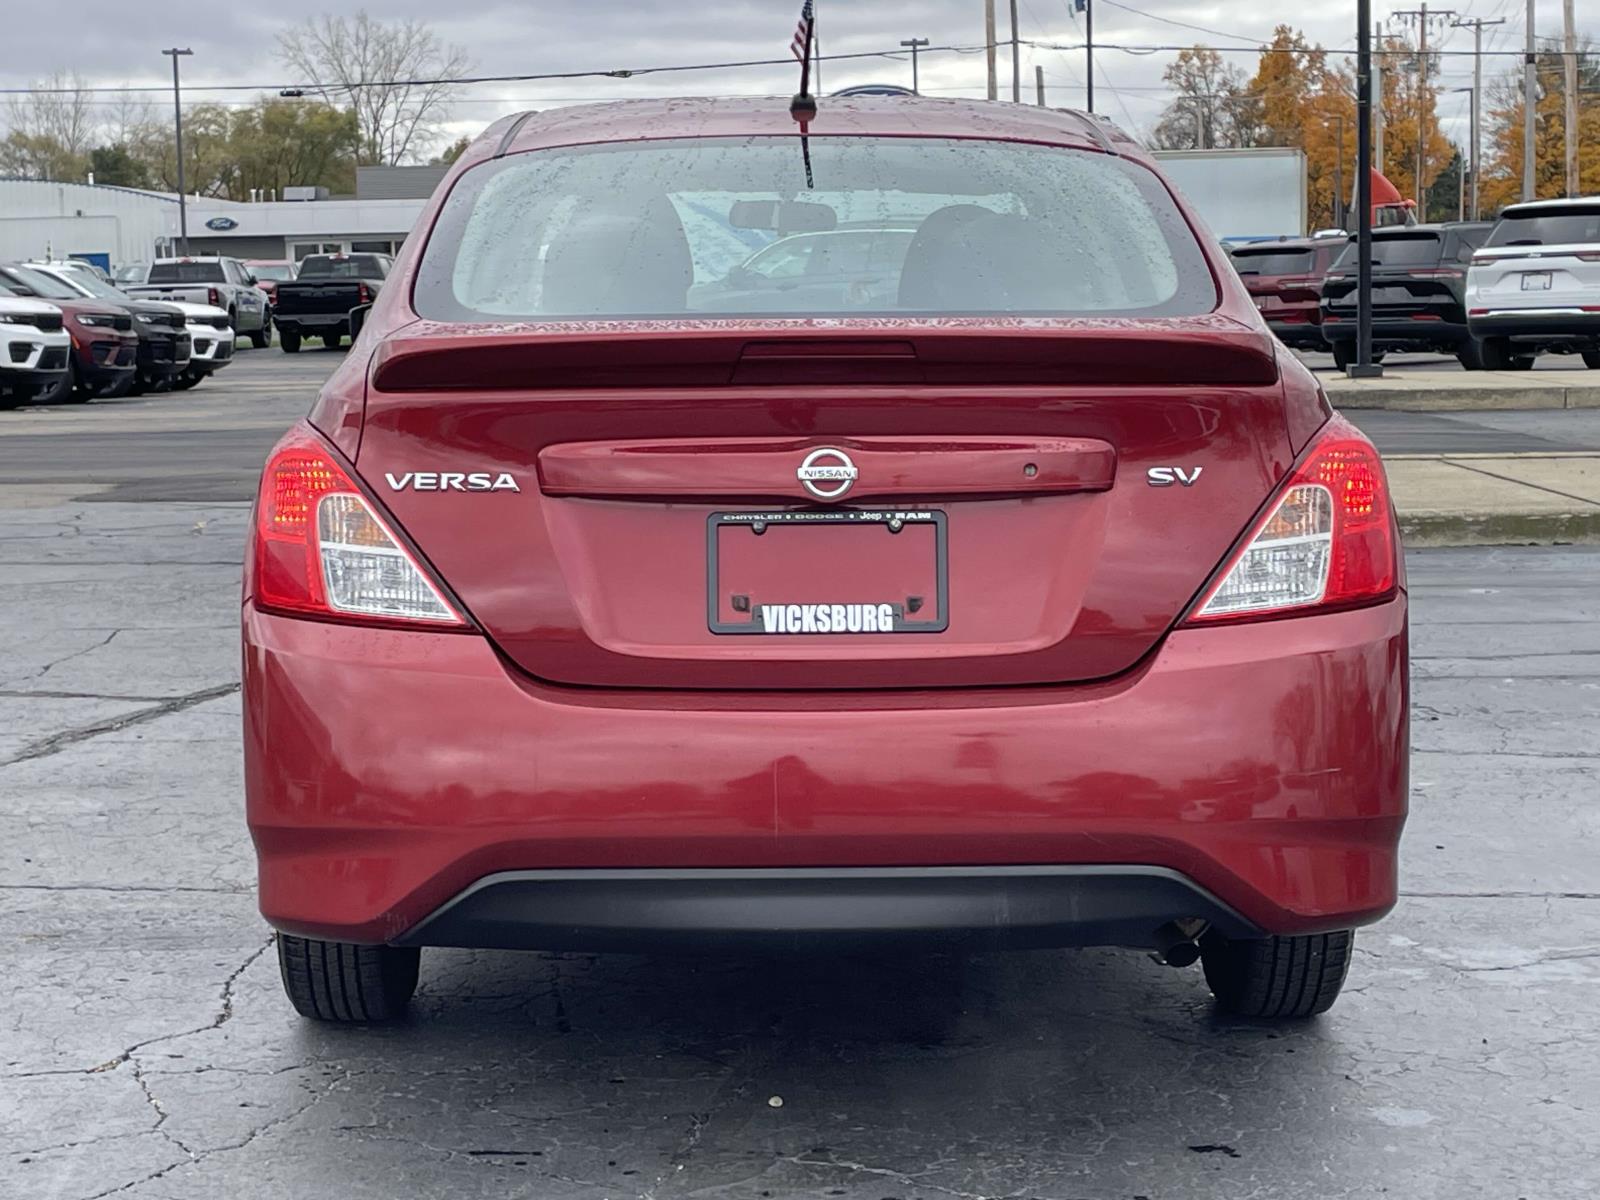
[
  {"x": 1463, "y": 399},
  {"x": 1500, "y": 529}
]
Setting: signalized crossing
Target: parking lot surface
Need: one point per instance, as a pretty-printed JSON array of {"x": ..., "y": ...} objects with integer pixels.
[{"x": 146, "y": 1051}]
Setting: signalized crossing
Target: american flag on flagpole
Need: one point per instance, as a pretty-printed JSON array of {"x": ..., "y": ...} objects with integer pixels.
[{"x": 802, "y": 32}]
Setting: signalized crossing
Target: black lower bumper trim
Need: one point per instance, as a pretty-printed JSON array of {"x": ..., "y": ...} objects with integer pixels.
[{"x": 800, "y": 908}]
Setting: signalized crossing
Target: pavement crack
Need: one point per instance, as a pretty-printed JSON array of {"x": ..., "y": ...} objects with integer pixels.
[
  {"x": 58, "y": 742},
  {"x": 50, "y": 666}
]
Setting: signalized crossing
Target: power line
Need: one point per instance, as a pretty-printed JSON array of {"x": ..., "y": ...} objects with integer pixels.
[{"x": 469, "y": 80}]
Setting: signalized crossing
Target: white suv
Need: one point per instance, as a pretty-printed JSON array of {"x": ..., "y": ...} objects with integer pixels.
[
  {"x": 1535, "y": 284},
  {"x": 33, "y": 349}
]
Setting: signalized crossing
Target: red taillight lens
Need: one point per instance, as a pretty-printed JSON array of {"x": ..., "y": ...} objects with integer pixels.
[
  {"x": 214, "y": 297},
  {"x": 365, "y": 293},
  {"x": 322, "y": 549},
  {"x": 1328, "y": 541}
]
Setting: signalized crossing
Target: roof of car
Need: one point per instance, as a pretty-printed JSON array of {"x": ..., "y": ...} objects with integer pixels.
[
  {"x": 1277, "y": 245},
  {"x": 1543, "y": 205},
  {"x": 639, "y": 120}
]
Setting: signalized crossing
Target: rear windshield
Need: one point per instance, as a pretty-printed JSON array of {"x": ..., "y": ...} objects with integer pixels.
[
  {"x": 1563, "y": 227},
  {"x": 345, "y": 266},
  {"x": 1409, "y": 250},
  {"x": 187, "y": 272},
  {"x": 736, "y": 227},
  {"x": 274, "y": 271},
  {"x": 1273, "y": 262}
]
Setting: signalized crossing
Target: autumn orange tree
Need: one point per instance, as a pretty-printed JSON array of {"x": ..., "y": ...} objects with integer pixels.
[
  {"x": 1301, "y": 100},
  {"x": 1501, "y": 182},
  {"x": 1407, "y": 99}
]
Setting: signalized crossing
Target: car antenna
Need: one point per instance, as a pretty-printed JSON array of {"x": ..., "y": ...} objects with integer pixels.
[{"x": 803, "y": 108}]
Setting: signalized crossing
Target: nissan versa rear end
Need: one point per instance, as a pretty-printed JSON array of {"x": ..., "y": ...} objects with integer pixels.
[{"x": 1018, "y": 591}]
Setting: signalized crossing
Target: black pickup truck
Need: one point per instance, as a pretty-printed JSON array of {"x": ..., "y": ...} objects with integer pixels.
[{"x": 318, "y": 301}]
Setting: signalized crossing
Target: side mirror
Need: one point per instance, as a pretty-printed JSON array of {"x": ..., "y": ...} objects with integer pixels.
[{"x": 358, "y": 318}]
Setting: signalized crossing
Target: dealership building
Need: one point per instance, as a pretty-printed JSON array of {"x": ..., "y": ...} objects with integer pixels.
[{"x": 111, "y": 226}]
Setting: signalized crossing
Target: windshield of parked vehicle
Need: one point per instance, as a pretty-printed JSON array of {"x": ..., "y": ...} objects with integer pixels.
[
  {"x": 674, "y": 228},
  {"x": 87, "y": 283},
  {"x": 1558, "y": 227},
  {"x": 277, "y": 272},
  {"x": 343, "y": 266},
  {"x": 1273, "y": 262},
  {"x": 1406, "y": 250},
  {"x": 187, "y": 272},
  {"x": 130, "y": 273},
  {"x": 47, "y": 287}
]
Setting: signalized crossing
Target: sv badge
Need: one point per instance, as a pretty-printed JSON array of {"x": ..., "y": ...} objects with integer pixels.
[{"x": 1167, "y": 476}]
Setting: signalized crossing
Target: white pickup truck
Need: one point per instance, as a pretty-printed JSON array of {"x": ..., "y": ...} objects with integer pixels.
[{"x": 224, "y": 283}]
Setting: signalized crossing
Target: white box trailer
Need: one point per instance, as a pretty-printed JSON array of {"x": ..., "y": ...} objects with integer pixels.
[{"x": 1243, "y": 195}]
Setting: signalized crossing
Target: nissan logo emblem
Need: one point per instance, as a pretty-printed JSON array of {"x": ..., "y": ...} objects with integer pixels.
[{"x": 827, "y": 473}]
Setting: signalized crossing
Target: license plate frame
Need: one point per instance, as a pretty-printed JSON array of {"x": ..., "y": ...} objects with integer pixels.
[
  {"x": 767, "y": 519},
  {"x": 1543, "y": 284}
]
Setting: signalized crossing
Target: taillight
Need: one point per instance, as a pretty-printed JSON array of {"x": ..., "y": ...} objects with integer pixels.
[
  {"x": 213, "y": 297},
  {"x": 322, "y": 549},
  {"x": 365, "y": 293},
  {"x": 1328, "y": 541},
  {"x": 1588, "y": 256}
]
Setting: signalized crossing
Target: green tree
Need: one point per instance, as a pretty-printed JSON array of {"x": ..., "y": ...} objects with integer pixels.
[
  {"x": 451, "y": 152},
  {"x": 290, "y": 143},
  {"x": 116, "y": 166}
]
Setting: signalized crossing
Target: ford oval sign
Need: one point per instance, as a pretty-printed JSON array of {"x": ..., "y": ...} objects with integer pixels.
[{"x": 222, "y": 224}]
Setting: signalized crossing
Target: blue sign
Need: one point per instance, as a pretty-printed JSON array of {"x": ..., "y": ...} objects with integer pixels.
[{"x": 222, "y": 224}]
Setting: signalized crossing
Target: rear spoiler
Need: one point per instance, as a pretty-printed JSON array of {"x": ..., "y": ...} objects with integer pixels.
[{"x": 1186, "y": 353}]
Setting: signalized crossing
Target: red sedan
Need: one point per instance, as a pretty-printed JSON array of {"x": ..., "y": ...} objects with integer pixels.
[{"x": 1016, "y": 592}]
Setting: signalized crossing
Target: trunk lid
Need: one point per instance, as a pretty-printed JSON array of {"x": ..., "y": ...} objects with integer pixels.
[{"x": 1001, "y": 518}]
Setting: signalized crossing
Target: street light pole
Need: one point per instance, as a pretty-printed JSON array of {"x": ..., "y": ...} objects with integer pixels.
[{"x": 177, "y": 126}]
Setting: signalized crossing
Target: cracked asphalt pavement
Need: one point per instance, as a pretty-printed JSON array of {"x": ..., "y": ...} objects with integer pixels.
[{"x": 146, "y": 1050}]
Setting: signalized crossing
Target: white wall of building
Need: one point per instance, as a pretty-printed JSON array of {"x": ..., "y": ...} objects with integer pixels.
[
  {"x": 1251, "y": 193},
  {"x": 74, "y": 218}
]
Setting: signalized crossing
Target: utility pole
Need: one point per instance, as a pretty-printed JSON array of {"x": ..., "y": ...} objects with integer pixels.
[
  {"x": 989, "y": 47},
  {"x": 1530, "y": 104},
  {"x": 1421, "y": 14},
  {"x": 1038, "y": 82},
  {"x": 1088, "y": 49},
  {"x": 1364, "y": 367},
  {"x": 1016, "y": 58},
  {"x": 1569, "y": 70},
  {"x": 177, "y": 127},
  {"x": 1476, "y": 24},
  {"x": 915, "y": 44},
  {"x": 1377, "y": 99}
]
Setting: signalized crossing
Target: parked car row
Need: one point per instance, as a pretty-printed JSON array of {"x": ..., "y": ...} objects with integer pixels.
[
  {"x": 67, "y": 335},
  {"x": 1493, "y": 294}
]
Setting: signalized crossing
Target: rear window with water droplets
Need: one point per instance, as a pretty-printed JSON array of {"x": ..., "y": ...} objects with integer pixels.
[{"x": 826, "y": 226}]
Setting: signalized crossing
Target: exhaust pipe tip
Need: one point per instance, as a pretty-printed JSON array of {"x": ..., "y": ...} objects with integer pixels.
[{"x": 1178, "y": 942}]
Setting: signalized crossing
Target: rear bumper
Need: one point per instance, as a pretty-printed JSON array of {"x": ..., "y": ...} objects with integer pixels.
[
  {"x": 1401, "y": 331},
  {"x": 804, "y": 907},
  {"x": 390, "y": 773},
  {"x": 309, "y": 323},
  {"x": 1578, "y": 328}
]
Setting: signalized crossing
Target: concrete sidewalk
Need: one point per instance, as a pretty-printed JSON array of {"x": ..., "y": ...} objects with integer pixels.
[
  {"x": 1465, "y": 391},
  {"x": 1496, "y": 499}
]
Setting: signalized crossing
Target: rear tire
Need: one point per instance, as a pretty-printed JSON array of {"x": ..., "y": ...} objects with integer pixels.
[
  {"x": 262, "y": 338},
  {"x": 1498, "y": 356},
  {"x": 332, "y": 340},
  {"x": 1470, "y": 355},
  {"x": 346, "y": 983},
  {"x": 1344, "y": 354},
  {"x": 1278, "y": 978},
  {"x": 1591, "y": 359},
  {"x": 289, "y": 339}
]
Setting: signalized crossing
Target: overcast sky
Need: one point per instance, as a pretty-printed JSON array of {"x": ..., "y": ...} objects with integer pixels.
[{"x": 112, "y": 42}]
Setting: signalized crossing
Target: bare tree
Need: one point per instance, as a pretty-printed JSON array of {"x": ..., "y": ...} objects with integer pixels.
[
  {"x": 50, "y": 129},
  {"x": 395, "y": 75},
  {"x": 1211, "y": 106}
]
